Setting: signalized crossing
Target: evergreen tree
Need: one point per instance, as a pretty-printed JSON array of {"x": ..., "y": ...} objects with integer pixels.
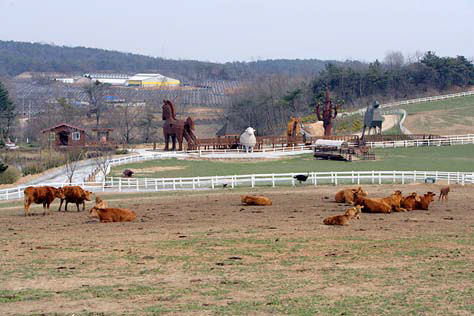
[{"x": 7, "y": 112}]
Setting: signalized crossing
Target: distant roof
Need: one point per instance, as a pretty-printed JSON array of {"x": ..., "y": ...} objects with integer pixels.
[
  {"x": 228, "y": 129},
  {"x": 62, "y": 124}
]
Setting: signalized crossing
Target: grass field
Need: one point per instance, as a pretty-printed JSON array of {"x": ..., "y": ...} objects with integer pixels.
[
  {"x": 451, "y": 116},
  {"x": 205, "y": 254},
  {"x": 449, "y": 158}
]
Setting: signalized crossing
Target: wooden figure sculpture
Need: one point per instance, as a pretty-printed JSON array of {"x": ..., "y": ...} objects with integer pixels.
[
  {"x": 329, "y": 114},
  {"x": 177, "y": 129},
  {"x": 372, "y": 119}
]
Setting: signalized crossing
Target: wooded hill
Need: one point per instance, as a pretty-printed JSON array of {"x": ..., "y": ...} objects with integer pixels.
[{"x": 18, "y": 57}]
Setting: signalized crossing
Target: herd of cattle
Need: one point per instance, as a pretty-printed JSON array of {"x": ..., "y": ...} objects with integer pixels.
[
  {"x": 356, "y": 197},
  {"x": 75, "y": 194}
]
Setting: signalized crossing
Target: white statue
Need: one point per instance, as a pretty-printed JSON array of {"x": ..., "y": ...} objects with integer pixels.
[{"x": 248, "y": 139}]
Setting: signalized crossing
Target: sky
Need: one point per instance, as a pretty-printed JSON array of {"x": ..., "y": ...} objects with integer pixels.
[{"x": 247, "y": 30}]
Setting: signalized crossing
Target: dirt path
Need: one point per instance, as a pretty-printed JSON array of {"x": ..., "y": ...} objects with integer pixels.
[{"x": 207, "y": 254}]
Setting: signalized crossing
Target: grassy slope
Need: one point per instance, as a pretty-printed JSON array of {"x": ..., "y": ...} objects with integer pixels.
[
  {"x": 461, "y": 104},
  {"x": 454, "y": 158}
]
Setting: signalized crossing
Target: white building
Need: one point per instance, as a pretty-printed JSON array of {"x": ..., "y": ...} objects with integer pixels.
[{"x": 152, "y": 80}]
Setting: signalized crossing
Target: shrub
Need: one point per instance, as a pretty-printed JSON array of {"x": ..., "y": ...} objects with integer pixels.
[
  {"x": 10, "y": 175},
  {"x": 121, "y": 151}
]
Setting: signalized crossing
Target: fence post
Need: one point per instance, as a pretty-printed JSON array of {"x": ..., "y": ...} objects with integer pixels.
[
  {"x": 146, "y": 184},
  {"x": 373, "y": 177},
  {"x": 174, "y": 184},
  {"x": 19, "y": 194},
  {"x": 156, "y": 184},
  {"x": 393, "y": 176},
  {"x": 138, "y": 188},
  {"x": 353, "y": 180},
  {"x": 163, "y": 182},
  {"x": 449, "y": 178},
  {"x": 194, "y": 185},
  {"x": 253, "y": 181},
  {"x": 6, "y": 194},
  {"x": 293, "y": 179},
  {"x": 335, "y": 177},
  {"x": 120, "y": 184},
  {"x": 358, "y": 178},
  {"x": 462, "y": 178},
  {"x": 212, "y": 182},
  {"x": 233, "y": 181},
  {"x": 103, "y": 184},
  {"x": 273, "y": 180},
  {"x": 315, "y": 179},
  {"x": 111, "y": 182},
  {"x": 199, "y": 182},
  {"x": 414, "y": 176},
  {"x": 380, "y": 177}
]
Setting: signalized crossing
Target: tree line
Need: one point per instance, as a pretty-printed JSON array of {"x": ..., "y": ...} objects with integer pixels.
[{"x": 354, "y": 85}]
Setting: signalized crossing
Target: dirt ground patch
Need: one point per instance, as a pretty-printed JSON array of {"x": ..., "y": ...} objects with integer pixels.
[
  {"x": 440, "y": 123},
  {"x": 206, "y": 254},
  {"x": 159, "y": 169}
]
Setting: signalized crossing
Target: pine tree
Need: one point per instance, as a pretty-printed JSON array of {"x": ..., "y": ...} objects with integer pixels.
[{"x": 7, "y": 112}]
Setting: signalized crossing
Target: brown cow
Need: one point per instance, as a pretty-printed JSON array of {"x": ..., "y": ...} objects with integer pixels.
[
  {"x": 75, "y": 194},
  {"x": 425, "y": 201},
  {"x": 107, "y": 215},
  {"x": 347, "y": 195},
  {"x": 255, "y": 200},
  {"x": 99, "y": 203},
  {"x": 41, "y": 195},
  {"x": 395, "y": 201},
  {"x": 344, "y": 218},
  {"x": 443, "y": 194},
  {"x": 409, "y": 202},
  {"x": 372, "y": 205}
]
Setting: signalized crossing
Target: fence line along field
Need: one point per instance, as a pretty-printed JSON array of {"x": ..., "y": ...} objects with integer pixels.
[{"x": 205, "y": 253}]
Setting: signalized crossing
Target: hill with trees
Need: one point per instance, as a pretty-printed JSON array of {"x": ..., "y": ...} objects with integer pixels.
[{"x": 18, "y": 57}]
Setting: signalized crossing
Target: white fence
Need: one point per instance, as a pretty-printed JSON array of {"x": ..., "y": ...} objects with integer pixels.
[
  {"x": 412, "y": 101},
  {"x": 445, "y": 141},
  {"x": 111, "y": 184}
]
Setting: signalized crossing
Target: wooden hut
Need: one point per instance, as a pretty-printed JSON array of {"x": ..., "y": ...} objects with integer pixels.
[{"x": 66, "y": 136}]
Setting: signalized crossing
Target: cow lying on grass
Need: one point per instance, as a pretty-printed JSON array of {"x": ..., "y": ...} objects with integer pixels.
[
  {"x": 107, "y": 215},
  {"x": 372, "y": 205},
  {"x": 255, "y": 200},
  {"x": 353, "y": 212},
  {"x": 75, "y": 194},
  {"x": 99, "y": 203},
  {"x": 425, "y": 201},
  {"x": 347, "y": 195},
  {"x": 409, "y": 202},
  {"x": 41, "y": 195},
  {"x": 394, "y": 201}
]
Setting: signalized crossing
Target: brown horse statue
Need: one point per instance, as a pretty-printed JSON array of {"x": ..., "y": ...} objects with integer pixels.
[{"x": 177, "y": 129}]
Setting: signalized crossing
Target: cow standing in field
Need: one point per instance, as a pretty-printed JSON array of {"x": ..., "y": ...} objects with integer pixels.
[
  {"x": 75, "y": 194},
  {"x": 41, "y": 195},
  {"x": 443, "y": 194}
]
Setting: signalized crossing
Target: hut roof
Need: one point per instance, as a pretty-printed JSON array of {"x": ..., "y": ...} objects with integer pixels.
[{"x": 60, "y": 125}]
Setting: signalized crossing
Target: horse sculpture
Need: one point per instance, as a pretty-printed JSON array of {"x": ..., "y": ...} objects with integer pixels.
[{"x": 177, "y": 129}]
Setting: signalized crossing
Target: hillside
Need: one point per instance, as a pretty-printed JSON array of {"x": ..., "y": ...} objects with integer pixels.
[{"x": 18, "y": 57}]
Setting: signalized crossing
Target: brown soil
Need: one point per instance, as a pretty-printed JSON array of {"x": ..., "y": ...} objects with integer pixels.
[
  {"x": 181, "y": 243},
  {"x": 439, "y": 123}
]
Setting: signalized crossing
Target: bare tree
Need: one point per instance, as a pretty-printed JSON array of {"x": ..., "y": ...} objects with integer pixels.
[
  {"x": 394, "y": 60},
  {"x": 103, "y": 160},
  {"x": 72, "y": 159},
  {"x": 96, "y": 91}
]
